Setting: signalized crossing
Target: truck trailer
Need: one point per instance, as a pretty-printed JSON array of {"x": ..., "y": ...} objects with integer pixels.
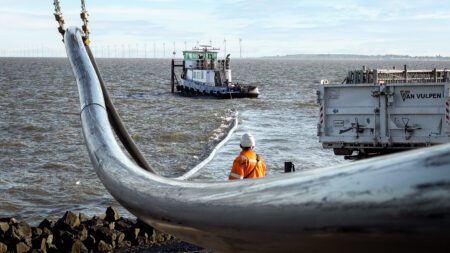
[{"x": 380, "y": 111}]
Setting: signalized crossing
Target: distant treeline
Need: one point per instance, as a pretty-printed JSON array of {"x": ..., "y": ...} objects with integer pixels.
[{"x": 363, "y": 57}]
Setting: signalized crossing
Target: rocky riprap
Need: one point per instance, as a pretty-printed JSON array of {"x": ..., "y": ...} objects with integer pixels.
[{"x": 76, "y": 233}]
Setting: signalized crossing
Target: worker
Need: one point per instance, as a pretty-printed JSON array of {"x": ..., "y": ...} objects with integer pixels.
[{"x": 248, "y": 164}]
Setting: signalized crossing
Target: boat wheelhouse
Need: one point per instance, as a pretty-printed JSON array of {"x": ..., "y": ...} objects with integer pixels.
[{"x": 203, "y": 74}]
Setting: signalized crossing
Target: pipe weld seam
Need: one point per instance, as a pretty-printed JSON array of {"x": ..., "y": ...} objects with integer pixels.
[{"x": 91, "y": 104}]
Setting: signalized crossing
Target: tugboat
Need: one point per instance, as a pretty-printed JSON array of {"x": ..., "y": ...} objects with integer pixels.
[{"x": 203, "y": 75}]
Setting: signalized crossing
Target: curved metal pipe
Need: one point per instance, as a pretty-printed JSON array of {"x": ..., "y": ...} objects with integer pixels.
[
  {"x": 116, "y": 121},
  {"x": 394, "y": 203}
]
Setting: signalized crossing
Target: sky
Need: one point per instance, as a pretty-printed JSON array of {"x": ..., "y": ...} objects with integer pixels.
[{"x": 154, "y": 28}]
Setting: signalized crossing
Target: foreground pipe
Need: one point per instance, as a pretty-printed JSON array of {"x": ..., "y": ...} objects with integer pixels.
[
  {"x": 116, "y": 121},
  {"x": 398, "y": 203}
]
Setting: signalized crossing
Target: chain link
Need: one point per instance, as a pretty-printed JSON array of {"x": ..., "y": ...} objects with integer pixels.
[
  {"x": 85, "y": 18},
  {"x": 59, "y": 18},
  {"x": 57, "y": 7}
]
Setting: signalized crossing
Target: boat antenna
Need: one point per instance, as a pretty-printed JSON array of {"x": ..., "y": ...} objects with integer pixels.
[
  {"x": 174, "y": 52},
  {"x": 224, "y": 47}
]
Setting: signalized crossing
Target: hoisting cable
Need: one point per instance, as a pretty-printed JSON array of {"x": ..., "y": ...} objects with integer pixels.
[{"x": 114, "y": 117}]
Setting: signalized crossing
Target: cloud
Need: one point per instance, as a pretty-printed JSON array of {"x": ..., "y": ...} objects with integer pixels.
[
  {"x": 23, "y": 20},
  {"x": 266, "y": 27},
  {"x": 437, "y": 15}
]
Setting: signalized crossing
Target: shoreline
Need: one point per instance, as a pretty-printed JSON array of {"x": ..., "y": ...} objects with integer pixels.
[{"x": 108, "y": 232}]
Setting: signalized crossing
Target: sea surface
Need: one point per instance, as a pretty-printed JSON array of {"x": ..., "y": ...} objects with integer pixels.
[{"x": 44, "y": 166}]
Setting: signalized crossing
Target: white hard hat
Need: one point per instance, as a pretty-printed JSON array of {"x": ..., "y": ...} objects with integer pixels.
[{"x": 247, "y": 140}]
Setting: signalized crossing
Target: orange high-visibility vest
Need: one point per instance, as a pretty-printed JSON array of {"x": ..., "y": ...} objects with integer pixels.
[{"x": 248, "y": 165}]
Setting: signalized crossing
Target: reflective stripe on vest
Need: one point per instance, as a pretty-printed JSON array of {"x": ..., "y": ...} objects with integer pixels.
[
  {"x": 232, "y": 174},
  {"x": 246, "y": 158}
]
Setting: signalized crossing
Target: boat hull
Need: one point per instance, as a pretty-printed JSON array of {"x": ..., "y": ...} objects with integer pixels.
[{"x": 190, "y": 88}]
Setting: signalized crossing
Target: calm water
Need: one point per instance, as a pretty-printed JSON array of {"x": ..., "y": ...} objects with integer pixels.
[{"x": 45, "y": 169}]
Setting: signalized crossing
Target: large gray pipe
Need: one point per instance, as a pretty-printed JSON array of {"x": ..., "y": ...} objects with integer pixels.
[
  {"x": 397, "y": 203},
  {"x": 116, "y": 121}
]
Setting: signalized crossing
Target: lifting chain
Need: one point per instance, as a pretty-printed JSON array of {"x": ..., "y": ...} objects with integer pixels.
[
  {"x": 59, "y": 18},
  {"x": 84, "y": 17}
]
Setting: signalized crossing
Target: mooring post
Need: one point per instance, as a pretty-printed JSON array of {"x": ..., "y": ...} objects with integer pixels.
[
  {"x": 289, "y": 167},
  {"x": 172, "y": 76}
]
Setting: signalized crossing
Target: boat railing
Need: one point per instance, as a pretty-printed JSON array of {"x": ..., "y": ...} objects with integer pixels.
[{"x": 173, "y": 77}]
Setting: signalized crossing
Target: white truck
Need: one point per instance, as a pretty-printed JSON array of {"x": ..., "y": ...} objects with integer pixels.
[{"x": 383, "y": 111}]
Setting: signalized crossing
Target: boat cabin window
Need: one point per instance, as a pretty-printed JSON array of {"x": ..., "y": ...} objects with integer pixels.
[
  {"x": 189, "y": 56},
  {"x": 212, "y": 56},
  {"x": 200, "y": 55}
]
